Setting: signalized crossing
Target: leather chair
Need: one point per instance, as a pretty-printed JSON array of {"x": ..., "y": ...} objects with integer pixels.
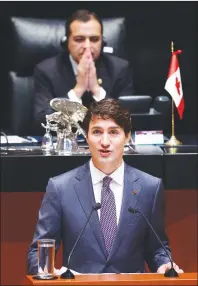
[
  {"x": 34, "y": 40},
  {"x": 148, "y": 113}
]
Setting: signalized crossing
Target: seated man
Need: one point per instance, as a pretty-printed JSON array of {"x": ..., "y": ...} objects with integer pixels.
[
  {"x": 114, "y": 241},
  {"x": 81, "y": 72}
]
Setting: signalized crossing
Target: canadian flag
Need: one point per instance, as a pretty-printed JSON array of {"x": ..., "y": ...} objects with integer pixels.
[{"x": 174, "y": 85}]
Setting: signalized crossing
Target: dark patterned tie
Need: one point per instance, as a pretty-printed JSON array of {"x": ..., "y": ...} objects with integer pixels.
[
  {"x": 87, "y": 99},
  {"x": 108, "y": 219}
]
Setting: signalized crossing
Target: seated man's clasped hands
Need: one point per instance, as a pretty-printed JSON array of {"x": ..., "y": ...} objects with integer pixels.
[{"x": 86, "y": 76}]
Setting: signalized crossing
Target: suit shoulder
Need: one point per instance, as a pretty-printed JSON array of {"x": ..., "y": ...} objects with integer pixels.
[
  {"x": 66, "y": 175},
  {"x": 49, "y": 62},
  {"x": 116, "y": 60},
  {"x": 150, "y": 178},
  {"x": 143, "y": 176},
  {"x": 69, "y": 176}
]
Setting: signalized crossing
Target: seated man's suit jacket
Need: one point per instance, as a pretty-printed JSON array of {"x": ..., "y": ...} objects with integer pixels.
[
  {"x": 54, "y": 77},
  {"x": 67, "y": 203}
]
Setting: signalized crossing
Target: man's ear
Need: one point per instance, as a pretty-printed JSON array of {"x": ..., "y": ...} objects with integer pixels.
[{"x": 128, "y": 137}]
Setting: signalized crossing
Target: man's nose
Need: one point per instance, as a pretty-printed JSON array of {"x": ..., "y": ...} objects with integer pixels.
[
  {"x": 105, "y": 141},
  {"x": 87, "y": 43}
]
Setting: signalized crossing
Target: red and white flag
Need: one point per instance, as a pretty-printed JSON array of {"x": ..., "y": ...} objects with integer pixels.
[{"x": 174, "y": 85}]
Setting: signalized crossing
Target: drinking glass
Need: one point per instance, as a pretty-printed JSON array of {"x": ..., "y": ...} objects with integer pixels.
[{"x": 46, "y": 256}]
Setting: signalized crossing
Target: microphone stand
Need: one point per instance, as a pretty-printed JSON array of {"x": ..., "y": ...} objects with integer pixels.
[
  {"x": 171, "y": 272},
  {"x": 68, "y": 274}
]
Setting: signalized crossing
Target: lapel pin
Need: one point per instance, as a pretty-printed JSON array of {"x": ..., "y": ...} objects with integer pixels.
[
  {"x": 134, "y": 192},
  {"x": 99, "y": 81}
]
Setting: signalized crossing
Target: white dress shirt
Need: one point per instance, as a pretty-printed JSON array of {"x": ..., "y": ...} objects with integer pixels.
[
  {"x": 116, "y": 185},
  {"x": 71, "y": 94}
]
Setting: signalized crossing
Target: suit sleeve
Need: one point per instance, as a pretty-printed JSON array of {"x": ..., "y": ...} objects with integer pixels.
[
  {"x": 155, "y": 254},
  {"x": 124, "y": 84},
  {"x": 48, "y": 224}
]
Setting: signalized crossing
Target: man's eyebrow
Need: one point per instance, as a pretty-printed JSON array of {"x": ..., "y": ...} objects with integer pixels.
[
  {"x": 93, "y": 127},
  {"x": 101, "y": 127},
  {"x": 79, "y": 36},
  {"x": 83, "y": 36}
]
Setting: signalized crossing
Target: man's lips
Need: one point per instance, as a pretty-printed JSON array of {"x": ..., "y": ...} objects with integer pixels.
[{"x": 104, "y": 152}]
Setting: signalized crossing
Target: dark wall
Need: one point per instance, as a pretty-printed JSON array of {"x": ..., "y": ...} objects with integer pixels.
[{"x": 151, "y": 26}]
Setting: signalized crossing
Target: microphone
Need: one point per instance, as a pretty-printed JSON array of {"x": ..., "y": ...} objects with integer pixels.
[
  {"x": 68, "y": 274},
  {"x": 171, "y": 272}
]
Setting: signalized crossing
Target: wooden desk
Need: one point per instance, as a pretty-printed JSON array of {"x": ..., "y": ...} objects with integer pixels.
[{"x": 121, "y": 279}]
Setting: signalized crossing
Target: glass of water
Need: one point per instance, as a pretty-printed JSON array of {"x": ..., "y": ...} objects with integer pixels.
[{"x": 46, "y": 256}]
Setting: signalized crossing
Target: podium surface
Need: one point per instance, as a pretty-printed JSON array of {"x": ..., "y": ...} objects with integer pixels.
[{"x": 120, "y": 279}]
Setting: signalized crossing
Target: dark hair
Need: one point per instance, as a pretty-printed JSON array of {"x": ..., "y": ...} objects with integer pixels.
[
  {"x": 83, "y": 16},
  {"x": 108, "y": 109}
]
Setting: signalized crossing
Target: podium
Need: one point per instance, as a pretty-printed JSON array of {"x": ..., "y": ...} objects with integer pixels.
[{"x": 120, "y": 279}]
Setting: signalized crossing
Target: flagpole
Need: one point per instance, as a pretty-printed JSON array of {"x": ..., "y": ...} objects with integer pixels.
[{"x": 173, "y": 140}]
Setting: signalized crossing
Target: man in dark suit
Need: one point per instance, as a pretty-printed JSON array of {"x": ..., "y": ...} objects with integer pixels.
[
  {"x": 82, "y": 72},
  {"x": 114, "y": 241}
]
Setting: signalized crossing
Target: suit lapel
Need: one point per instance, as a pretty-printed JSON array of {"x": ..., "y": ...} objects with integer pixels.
[
  {"x": 84, "y": 191},
  {"x": 103, "y": 74},
  {"x": 131, "y": 195},
  {"x": 68, "y": 79}
]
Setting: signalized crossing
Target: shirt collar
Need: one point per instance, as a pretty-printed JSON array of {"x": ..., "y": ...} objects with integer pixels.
[
  {"x": 74, "y": 65},
  {"x": 97, "y": 175}
]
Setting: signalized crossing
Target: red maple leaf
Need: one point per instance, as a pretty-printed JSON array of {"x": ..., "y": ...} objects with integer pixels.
[{"x": 177, "y": 84}]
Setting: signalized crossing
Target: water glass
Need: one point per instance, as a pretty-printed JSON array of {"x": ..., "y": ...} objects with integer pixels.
[{"x": 46, "y": 257}]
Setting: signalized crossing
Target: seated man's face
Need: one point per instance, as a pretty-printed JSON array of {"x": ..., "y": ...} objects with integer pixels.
[{"x": 85, "y": 35}]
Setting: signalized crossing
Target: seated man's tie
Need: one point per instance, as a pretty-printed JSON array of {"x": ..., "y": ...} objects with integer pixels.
[
  {"x": 108, "y": 220},
  {"x": 87, "y": 99}
]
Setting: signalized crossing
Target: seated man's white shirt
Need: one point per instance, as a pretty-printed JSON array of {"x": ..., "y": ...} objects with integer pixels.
[{"x": 71, "y": 94}]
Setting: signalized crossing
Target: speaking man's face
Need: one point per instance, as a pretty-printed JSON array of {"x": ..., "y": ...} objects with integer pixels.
[
  {"x": 106, "y": 142},
  {"x": 85, "y": 35}
]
